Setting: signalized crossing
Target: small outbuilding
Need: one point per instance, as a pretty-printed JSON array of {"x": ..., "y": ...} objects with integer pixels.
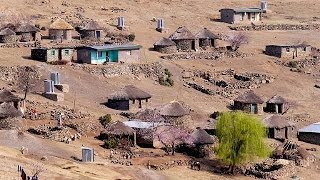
[
  {"x": 184, "y": 39},
  {"x": 249, "y": 102},
  {"x": 310, "y": 134},
  {"x": 288, "y": 51},
  {"x": 26, "y": 32},
  {"x": 279, "y": 127},
  {"x": 277, "y": 104},
  {"x": 91, "y": 31},
  {"x": 60, "y": 30},
  {"x": 109, "y": 53},
  {"x": 206, "y": 38},
  {"x": 239, "y": 15},
  {"x": 165, "y": 45},
  {"x": 119, "y": 100},
  {"x": 7, "y": 36},
  {"x": 121, "y": 133},
  {"x": 52, "y": 54}
]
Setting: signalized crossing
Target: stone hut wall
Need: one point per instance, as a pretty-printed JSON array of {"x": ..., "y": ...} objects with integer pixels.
[
  {"x": 90, "y": 35},
  {"x": 39, "y": 54},
  {"x": 206, "y": 43},
  {"x": 8, "y": 39},
  {"x": 227, "y": 16},
  {"x": 166, "y": 49},
  {"x": 25, "y": 37},
  {"x": 273, "y": 51},
  {"x": 56, "y": 34},
  {"x": 313, "y": 138},
  {"x": 247, "y": 107},
  {"x": 118, "y": 104},
  {"x": 184, "y": 45}
]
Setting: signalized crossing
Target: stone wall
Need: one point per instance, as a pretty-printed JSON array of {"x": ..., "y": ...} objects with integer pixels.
[
  {"x": 269, "y": 27},
  {"x": 184, "y": 45},
  {"x": 215, "y": 54},
  {"x": 12, "y": 74},
  {"x": 8, "y": 39},
  {"x": 166, "y": 49},
  {"x": 58, "y": 34},
  {"x": 20, "y": 44}
]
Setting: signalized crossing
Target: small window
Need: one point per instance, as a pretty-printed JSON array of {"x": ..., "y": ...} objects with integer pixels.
[
  {"x": 99, "y": 54},
  {"x": 288, "y": 49},
  {"x": 66, "y": 52},
  {"x": 53, "y": 52},
  {"x": 241, "y": 16},
  {"x": 305, "y": 49}
]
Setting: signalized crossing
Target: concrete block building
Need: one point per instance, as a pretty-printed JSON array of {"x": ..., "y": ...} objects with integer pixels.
[
  {"x": 241, "y": 15},
  {"x": 52, "y": 54},
  {"x": 288, "y": 51}
]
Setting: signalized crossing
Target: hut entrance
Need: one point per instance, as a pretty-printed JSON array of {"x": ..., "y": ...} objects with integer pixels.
[
  {"x": 193, "y": 46},
  {"x": 286, "y": 133},
  {"x": 60, "y": 54},
  {"x": 254, "y": 108},
  {"x": 98, "y": 34},
  {"x": 279, "y": 108}
]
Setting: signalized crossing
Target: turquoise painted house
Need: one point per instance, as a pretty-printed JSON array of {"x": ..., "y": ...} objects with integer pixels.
[{"x": 109, "y": 54}]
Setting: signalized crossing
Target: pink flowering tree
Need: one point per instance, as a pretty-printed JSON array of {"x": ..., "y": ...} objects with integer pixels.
[{"x": 171, "y": 137}]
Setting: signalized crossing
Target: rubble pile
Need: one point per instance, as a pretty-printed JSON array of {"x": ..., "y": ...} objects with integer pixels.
[
  {"x": 268, "y": 27},
  {"x": 20, "y": 44},
  {"x": 168, "y": 165},
  {"x": 206, "y": 55},
  {"x": 13, "y": 73}
]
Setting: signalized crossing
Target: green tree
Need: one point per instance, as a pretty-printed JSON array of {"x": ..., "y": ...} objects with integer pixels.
[
  {"x": 241, "y": 139},
  {"x": 105, "y": 120}
]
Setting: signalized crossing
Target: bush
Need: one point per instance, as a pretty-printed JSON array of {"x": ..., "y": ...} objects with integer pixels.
[
  {"x": 293, "y": 64},
  {"x": 166, "y": 79},
  {"x": 110, "y": 144},
  {"x": 43, "y": 28},
  {"x": 132, "y": 37},
  {"x": 58, "y": 62},
  {"x": 105, "y": 120}
]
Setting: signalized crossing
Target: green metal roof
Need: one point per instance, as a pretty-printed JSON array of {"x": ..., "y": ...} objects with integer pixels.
[{"x": 115, "y": 47}]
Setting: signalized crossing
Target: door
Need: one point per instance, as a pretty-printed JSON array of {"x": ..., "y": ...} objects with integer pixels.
[
  {"x": 65, "y": 34},
  {"x": 113, "y": 56},
  {"x": 286, "y": 133},
  {"x": 254, "y": 108},
  {"x": 280, "y": 108},
  {"x": 59, "y": 54},
  {"x": 98, "y": 34}
]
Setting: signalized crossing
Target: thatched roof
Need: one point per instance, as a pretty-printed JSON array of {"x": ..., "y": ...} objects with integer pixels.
[
  {"x": 249, "y": 97},
  {"x": 7, "y": 96},
  {"x": 164, "y": 42},
  {"x": 8, "y": 111},
  {"x": 7, "y": 32},
  {"x": 118, "y": 128},
  {"x": 25, "y": 28},
  {"x": 119, "y": 95},
  {"x": 60, "y": 24},
  {"x": 200, "y": 137},
  {"x": 91, "y": 26},
  {"x": 136, "y": 93},
  {"x": 182, "y": 33},
  {"x": 277, "y": 100},
  {"x": 149, "y": 115},
  {"x": 173, "y": 109},
  {"x": 277, "y": 121},
  {"x": 206, "y": 34}
]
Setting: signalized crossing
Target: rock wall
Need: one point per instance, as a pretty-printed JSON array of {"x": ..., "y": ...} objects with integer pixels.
[
  {"x": 12, "y": 73},
  {"x": 269, "y": 27}
]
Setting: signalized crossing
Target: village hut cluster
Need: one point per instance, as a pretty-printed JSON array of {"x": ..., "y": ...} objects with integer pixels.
[
  {"x": 183, "y": 40},
  {"x": 24, "y": 32}
]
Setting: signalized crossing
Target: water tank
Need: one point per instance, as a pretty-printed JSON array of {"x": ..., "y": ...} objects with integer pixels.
[
  {"x": 121, "y": 22},
  {"x": 55, "y": 77},
  {"x": 160, "y": 23},
  {"x": 87, "y": 154},
  {"x": 48, "y": 86},
  {"x": 264, "y": 6}
]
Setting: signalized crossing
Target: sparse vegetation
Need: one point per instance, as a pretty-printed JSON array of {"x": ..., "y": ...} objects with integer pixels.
[
  {"x": 27, "y": 81},
  {"x": 62, "y": 62},
  {"x": 110, "y": 144},
  {"x": 166, "y": 79},
  {"x": 105, "y": 120},
  {"x": 131, "y": 37},
  {"x": 237, "y": 39}
]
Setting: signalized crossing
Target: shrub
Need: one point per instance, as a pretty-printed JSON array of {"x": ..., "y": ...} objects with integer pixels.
[
  {"x": 132, "y": 37},
  {"x": 58, "y": 62},
  {"x": 105, "y": 120},
  {"x": 43, "y": 28},
  {"x": 110, "y": 143},
  {"x": 166, "y": 79},
  {"x": 293, "y": 64}
]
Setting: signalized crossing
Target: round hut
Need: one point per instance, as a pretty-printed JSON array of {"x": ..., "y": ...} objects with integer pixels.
[
  {"x": 119, "y": 100},
  {"x": 122, "y": 134},
  {"x": 184, "y": 39},
  {"x": 202, "y": 140},
  {"x": 206, "y": 38},
  {"x": 60, "y": 30},
  {"x": 135, "y": 93},
  {"x": 165, "y": 45},
  {"x": 249, "y": 102},
  {"x": 175, "y": 113},
  {"x": 279, "y": 127},
  {"x": 91, "y": 31},
  {"x": 277, "y": 104},
  {"x": 7, "y": 36},
  {"x": 26, "y": 32}
]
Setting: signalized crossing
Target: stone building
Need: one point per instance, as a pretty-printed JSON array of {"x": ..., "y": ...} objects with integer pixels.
[
  {"x": 26, "y": 32},
  {"x": 287, "y": 51},
  {"x": 206, "y": 38},
  {"x": 310, "y": 134},
  {"x": 249, "y": 102},
  {"x": 109, "y": 53},
  {"x": 279, "y": 127},
  {"x": 184, "y": 39},
  {"x": 277, "y": 104},
  {"x": 91, "y": 31},
  {"x": 60, "y": 30},
  {"x": 118, "y": 100},
  {"x": 52, "y": 54},
  {"x": 165, "y": 45},
  {"x": 7, "y": 36},
  {"x": 244, "y": 15}
]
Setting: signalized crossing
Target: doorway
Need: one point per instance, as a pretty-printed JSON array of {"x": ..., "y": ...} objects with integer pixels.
[
  {"x": 59, "y": 54},
  {"x": 254, "y": 108},
  {"x": 98, "y": 34}
]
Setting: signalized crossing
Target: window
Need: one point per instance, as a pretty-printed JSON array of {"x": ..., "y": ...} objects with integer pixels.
[
  {"x": 288, "y": 49},
  {"x": 53, "y": 52},
  {"x": 99, "y": 54},
  {"x": 253, "y": 16},
  {"x": 66, "y": 52},
  {"x": 305, "y": 49}
]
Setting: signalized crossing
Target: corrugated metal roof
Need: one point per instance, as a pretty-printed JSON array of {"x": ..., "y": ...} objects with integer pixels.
[
  {"x": 141, "y": 124},
  {"x": 313, "y": 128},
  {"x": 116, "y": 47},
  {"x": 242, "y": 10}
]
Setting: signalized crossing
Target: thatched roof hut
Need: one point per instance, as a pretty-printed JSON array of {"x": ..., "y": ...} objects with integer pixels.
[
  {"x": 60, "y": 24},
  {"x": 277, "y": 100},
  {"x": 164, "y": 42},
  {"x": 118, "y": 129},
  {"x": 165, "y": 45},
  {"x": 201, "y": 137},
  {"x": 7, "y": 96},
  {"x": 7, "y": 32},
  {"x": 173, "y": 109},
  {"x": 182, "y": 33},
  {"x": 277, "y": 121},
  {"x": 92, "y": 26},
  {"x": 206, "y": 34},
  {"x": 119, "y": 95},
  {"x": 249, "y": 97},
  {"x": 7, "y": 110},
  {"x": 7, "y": 36},
  {"x": 149, "y": 115},
  {"x": 26, "y": 28},
  {"x": 135, "y": 93}
]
